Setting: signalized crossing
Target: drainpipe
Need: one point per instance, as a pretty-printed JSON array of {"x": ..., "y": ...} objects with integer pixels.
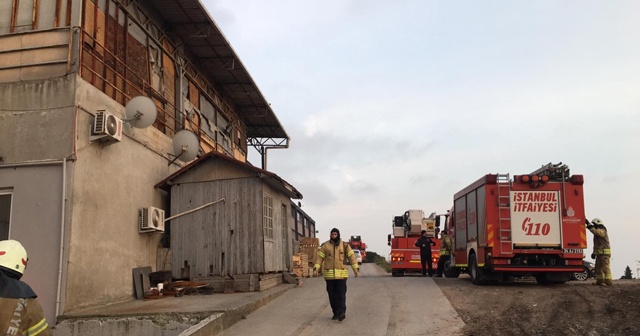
[{"x": 62, "y": 215}]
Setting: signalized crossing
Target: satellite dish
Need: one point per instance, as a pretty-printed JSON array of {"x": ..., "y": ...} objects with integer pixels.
[
  {"x": 141, "y": 112},
  {"x": 185, "y": 145}
]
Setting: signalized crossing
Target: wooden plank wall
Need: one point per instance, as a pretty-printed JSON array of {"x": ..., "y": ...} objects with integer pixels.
[
  {"x": 221, "y": 239},
  {"x": 277, "y": 254},
  {"x": 27, "y": 15}
]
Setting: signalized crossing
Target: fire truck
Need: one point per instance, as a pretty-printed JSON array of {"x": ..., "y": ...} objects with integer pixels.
[
  {"x": 531, "y": 225},
  {"x": 405, "y": 256},
  {"x": 356, "y": 243}
]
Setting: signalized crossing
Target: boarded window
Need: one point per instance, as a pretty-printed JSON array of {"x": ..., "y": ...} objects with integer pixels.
[{"x": 267, "y": 215}]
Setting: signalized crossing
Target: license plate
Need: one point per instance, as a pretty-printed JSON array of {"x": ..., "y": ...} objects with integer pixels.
[
  {"x": 415, "y": 257},
  {"x": 572, "y": 251}
]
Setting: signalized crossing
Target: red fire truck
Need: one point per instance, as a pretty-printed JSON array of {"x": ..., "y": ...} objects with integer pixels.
[
  {"x": 405, "y": 256},
  {"x": 356, "y": 243},
  {"x": 532, "y": 225}
]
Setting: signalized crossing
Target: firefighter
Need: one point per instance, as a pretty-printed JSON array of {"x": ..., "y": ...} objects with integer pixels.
[
  {"x": 425, "y": 243},
  {"x": 20, "y": 311},
  {"x": 445, "y": 253},
  {"x": 601, "y": 251},
  {"x": 334, "y": 256}
]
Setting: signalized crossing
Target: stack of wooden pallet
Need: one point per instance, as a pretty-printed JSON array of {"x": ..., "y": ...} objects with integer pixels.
[
  {"x": 309, "y": 246},
  {"x": 301, "y": 265}
]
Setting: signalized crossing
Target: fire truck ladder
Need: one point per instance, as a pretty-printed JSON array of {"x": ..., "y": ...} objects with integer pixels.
[{"x": 504, "y": 214}]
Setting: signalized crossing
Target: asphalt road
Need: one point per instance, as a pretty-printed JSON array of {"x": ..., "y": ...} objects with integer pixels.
[{"x": 377, "y": 304}]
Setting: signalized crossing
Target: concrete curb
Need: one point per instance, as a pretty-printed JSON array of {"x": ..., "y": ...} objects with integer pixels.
[
  {"x": 218, "y": 322},
  {"x": 167, "y": 318}
]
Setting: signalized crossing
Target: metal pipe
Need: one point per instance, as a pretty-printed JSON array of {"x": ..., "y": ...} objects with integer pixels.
[
  {"x": 193, "y": 210},
  {"x": 62, "y": 219}
]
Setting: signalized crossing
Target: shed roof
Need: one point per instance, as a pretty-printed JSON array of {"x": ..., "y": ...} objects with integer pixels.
[
  {"x": 269, "y": 177},
  {"x": 190, "y": 20}
]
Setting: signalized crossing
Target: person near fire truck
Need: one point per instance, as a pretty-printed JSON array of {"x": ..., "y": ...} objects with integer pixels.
[
  {"x": 601, "y": 251},
  {"x": 335, "y": 256},
  {"x": 425, "y": 243},
  {"x": 445, "y": 253},
  {"x": 20, "y": 311}
]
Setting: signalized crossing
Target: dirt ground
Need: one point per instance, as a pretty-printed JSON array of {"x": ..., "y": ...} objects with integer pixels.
[{"x": 525, "y": 308}]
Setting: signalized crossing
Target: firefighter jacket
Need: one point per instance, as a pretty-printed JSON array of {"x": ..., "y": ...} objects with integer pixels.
[
  {"x": 445, "y": 246},
  {"x": 425, "y": 243},
  {"x": 601, "y": 244},
  {"x": 335, "y": 258},
  {"x": 20, "y": 311}
]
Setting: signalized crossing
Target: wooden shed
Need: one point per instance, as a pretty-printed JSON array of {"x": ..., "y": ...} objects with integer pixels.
[{"x": 246, "y": 236}]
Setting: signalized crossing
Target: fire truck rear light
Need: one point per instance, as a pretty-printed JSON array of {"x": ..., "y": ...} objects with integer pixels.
[
  {"x": 535, "y": 178},
  {"x": 525, "y": 178},
  {"x": 545, "y": 178}
]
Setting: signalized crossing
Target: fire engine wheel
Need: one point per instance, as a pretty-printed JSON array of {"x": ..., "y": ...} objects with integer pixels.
[
  {"x": 475, "y": 271},
  {"x": 451, "y": 272}
]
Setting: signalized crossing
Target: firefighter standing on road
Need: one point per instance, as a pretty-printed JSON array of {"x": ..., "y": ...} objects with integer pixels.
[
  {"x": 335, "y": 256},
  {"x": 20, "y": 311},
  {"x": 445, "y": 253},
  {"x": 425, "y": 243},
  {"x": 601, "y": 251}
]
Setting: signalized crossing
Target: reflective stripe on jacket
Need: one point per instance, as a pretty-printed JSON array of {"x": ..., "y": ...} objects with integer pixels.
[
  {"x": 22, "y": 317},
  {"x": 445, "y": 246},
  {"x": 332, "y": 258},
  {"x": 601, "y": 244}
]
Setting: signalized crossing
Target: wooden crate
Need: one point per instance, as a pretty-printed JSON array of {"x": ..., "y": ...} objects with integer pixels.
[
  {"x": 309, "y": 241},
  {"x": 311, "y": 252},
  {"x": 300, "y": 265}
]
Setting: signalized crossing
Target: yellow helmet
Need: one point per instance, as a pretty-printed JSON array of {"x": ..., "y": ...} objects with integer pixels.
[
  {"x": 13, "y": 256},
  {"x": 597, "y": 221}
]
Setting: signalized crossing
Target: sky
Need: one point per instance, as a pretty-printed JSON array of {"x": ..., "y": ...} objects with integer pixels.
[{"x": 397, "y": 105}]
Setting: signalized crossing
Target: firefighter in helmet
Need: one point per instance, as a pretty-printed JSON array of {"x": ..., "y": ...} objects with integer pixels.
[
  {"x": 445, "y": 253},
  {"x": 20, "y": 311},
  {"x": 601, "y": 251}
]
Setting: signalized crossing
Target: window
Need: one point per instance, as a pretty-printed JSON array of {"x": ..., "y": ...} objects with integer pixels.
[
  {"x": 267, "y": 216},
  {"x": 5, "y": 214},
  {"x": 283, "y": 213}
]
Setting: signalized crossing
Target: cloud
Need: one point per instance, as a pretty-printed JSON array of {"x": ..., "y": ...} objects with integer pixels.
[{"x": 399, "y": 107}]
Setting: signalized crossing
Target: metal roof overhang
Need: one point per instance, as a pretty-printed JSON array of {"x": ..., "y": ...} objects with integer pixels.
[{"x": 191, "y": 23}]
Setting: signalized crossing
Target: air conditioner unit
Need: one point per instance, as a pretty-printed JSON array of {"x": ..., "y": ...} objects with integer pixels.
[
  {"x": 151, "y": 220},
  {"x": 106, "y": 128}
]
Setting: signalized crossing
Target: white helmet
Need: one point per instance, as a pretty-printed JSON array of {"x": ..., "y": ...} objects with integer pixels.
[
  {"x": 597, "y": 221},
  {"x": 13, "y": 256}
]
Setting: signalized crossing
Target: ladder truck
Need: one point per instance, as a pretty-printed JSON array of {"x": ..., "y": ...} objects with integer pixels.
[
  {"x": 405, "y": 256},
  {"x": 356, "y": 243}
]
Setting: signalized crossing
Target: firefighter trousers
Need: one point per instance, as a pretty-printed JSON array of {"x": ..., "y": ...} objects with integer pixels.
[
  {"x": 443, "y": 259},
  {"x": 425, "y": 260},
  {"x": 603, "y": 269},
  {"x": 337, "y": 290}
]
